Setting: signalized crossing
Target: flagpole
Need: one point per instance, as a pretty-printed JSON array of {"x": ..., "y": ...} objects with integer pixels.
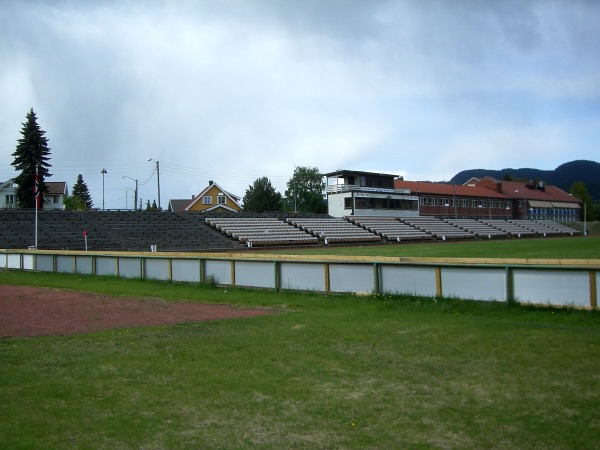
[{"x": 37, "y": 201}]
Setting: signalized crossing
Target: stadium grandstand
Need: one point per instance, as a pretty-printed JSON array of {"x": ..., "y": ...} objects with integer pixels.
[
  {"x": 198, "y": 232},
  {"x": 364, "y": 207}
]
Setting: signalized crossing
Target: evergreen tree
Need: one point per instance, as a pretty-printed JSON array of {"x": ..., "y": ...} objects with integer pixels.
[
  {"x": 261, "y": 196},
  {"x": 80, "y": 196},
  {"x": 31, "y": 151},
  {"x": 305, "y": 190},
  {"x": 152, "y": 207}
]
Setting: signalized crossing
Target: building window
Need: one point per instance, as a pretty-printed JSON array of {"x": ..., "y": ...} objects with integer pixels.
[
  {"x": 10, "y": 199},
  {"x": 464, "y": 202},
  {"x": 207, "y": 200},
  {"x": 423, "y": 201},
  {"x": 348, "y": 203},
  {"x": 474, "y": 203},
  {"x": 221, "y": 199}
]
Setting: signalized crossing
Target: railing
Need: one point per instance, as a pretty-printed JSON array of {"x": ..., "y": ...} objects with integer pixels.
[
  {"x": 341, "y": 188},
  {"x": 554, "y": 282}
]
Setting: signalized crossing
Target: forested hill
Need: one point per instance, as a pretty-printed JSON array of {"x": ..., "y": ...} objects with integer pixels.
[{"x": 563, "y": 176}]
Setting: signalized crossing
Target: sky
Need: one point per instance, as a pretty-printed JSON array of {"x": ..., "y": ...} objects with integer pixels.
[{"x": 235, "y": 90}]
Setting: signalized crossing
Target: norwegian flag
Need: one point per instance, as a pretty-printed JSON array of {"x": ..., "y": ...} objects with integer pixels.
[{"x": 36, "y": 188}]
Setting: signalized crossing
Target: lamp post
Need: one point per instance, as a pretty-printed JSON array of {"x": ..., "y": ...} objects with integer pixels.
[
  {"x": 454, "y": 198},
  {"x": 136, "y": 191},
  {"x": 104, "y": 172},
  {"x": 584, "y": 219},
  {"x": 157, "y": 181}
]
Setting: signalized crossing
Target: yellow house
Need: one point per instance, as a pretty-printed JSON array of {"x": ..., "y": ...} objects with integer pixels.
[{"x": 214, "y": 198}]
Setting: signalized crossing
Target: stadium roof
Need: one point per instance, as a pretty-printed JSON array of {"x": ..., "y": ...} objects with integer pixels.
[{"x": 341, "y": 172}]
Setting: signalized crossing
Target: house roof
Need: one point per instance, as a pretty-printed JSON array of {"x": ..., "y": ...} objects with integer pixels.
[
  {"x": 447, "y": 189},
  {"x": 178, "y": 205},
  {"x": 216, "y": 207},
  {"x": 56, "y": 188},
  {"x": 6, "y": 184},
  {"x": 234, "y": 198},
  {"x": 520, "y": 189}
]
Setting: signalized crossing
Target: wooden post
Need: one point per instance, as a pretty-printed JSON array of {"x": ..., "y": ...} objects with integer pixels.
[
  {"x": 593, "y": 291},
  {"x": 438, "y": 281}
]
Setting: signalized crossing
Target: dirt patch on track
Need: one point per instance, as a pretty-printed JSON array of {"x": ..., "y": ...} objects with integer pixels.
[{"x": 32, "y": 311}]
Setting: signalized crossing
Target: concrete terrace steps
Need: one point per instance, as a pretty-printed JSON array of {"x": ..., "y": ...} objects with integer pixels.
[
  {"x": 111, "y": 230},
  {"x": 139, "y": 230}
]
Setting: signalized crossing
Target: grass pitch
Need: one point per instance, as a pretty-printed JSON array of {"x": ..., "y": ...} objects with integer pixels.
[
  {"x": 545, "y": 248},
  {"x": 326, "y": 372}
]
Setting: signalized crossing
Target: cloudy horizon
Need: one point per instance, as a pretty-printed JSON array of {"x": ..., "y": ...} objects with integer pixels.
[{"x": 234, "y": 90}]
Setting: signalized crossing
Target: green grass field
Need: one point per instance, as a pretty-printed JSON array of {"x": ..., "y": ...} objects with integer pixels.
[
  {"x": 548, "y": 248},
  {"x": 327, "y": 371}
]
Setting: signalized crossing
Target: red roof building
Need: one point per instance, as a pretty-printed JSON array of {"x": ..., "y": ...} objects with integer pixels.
[
  {"x": 458, "y": 201},
  {"x": 493, "y": 199}
]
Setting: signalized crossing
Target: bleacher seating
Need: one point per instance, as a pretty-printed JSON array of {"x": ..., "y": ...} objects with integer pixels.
[
  {"x": 536, "y": 227},
  {"x": 390, "y": 228},
  {"x": 480, "y": 229},
  {"x": 261, "y": 231},
  {"x": 438, "y": 228},
  {"x": 332, "y": 230},
  {"x": 562, "y": 229},
  {"x": 509, "y": 227}
]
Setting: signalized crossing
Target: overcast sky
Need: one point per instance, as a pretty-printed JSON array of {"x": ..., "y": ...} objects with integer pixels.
[{"x": 231, "y": 91}]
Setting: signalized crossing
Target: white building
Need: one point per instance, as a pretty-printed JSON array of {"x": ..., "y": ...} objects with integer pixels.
[
  {"x": 53, "y": 198},
  {"x": 352, "y": 193},
  {"x": 8, "y": 194}
]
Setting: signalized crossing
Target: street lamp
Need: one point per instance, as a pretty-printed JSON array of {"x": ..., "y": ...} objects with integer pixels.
[
  {"x": 104, "y": 172},
  {"x": 158, "y": 181},
  {"x": 136, "y": 191},
  {"x": 584, "y": 219}
]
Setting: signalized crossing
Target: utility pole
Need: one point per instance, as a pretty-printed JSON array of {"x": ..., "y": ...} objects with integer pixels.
[
  {"x": 157, "y": 180},
  {"x": 136, "y": 191},
  {"x": 104, "y": 172}
]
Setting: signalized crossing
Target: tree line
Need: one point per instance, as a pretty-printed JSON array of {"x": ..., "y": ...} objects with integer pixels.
[{"x": 304, "y": 190}]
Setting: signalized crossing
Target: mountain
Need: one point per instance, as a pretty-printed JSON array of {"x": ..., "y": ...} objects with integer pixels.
[{"x": 562, "y": 177}]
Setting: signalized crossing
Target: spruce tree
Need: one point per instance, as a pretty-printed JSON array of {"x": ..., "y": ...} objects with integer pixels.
[
  {"x": 81, "y": 194},
  {"x": 261, "y": 196},
  {"x": 31, "y": 151}
]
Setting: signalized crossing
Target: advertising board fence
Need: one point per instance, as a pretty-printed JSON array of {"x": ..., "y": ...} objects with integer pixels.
[{"x": 553, "y": 282}]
